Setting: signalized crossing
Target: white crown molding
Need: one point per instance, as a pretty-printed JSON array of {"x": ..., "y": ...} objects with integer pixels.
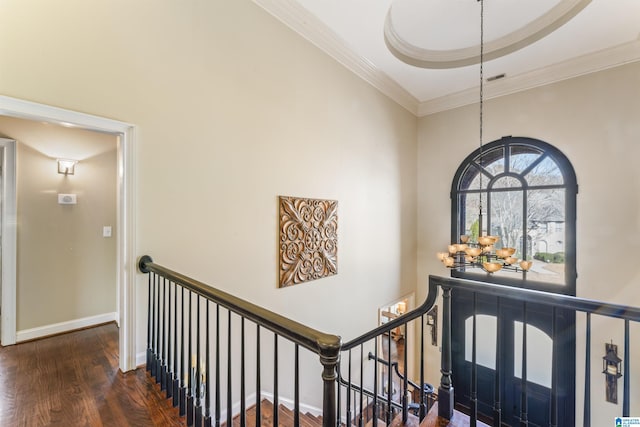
[
  {"x": 311, "y": 28},
  {"x": 586, "y": 64}
]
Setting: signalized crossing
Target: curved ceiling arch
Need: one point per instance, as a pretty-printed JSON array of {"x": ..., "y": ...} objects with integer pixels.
[{"x": 402, "y": 32}]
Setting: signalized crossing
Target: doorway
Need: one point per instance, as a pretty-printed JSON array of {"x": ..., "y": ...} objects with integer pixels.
[
  {"x": 392, "y": 347},
  {"x": 126, "y": 261},
  {"x": 508, "y": 323}
]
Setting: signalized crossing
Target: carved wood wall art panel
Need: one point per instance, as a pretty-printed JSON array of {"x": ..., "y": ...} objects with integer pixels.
[{"x": 308, "y": 239}]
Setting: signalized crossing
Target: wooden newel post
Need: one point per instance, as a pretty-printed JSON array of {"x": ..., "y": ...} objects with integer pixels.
[
  {"x": 445, "y": 391},
  {"x": 329, "y": 356}
]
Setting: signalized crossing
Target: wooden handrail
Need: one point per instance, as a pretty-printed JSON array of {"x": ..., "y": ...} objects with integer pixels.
[
  {"x": 424, "y": 308},
  {"x": 529, "y": 296},
  {"x": 305, "y": 336},
  {"x": 327, "y": 346},
  {"x": 533, "y": 296}
]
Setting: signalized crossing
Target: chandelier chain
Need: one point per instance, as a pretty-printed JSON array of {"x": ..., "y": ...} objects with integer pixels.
[
  {"x": 481, "y": 253},
  {"x": 481, "y": 97}
]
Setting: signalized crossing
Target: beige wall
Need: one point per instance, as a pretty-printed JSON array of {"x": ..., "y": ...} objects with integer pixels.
[
  {"x": 66, "y": 270},
  {"x": 593, "y": 120},
  {"x": 233, "y": 109}
]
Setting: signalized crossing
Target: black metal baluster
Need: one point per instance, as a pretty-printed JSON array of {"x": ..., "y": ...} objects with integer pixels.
[
  {"x": 258, "y": 386},
  {"x": 160, "y": 353},
  {"x": 149, "y": 323},
  {"x": 198, "y": 408},
  {"x": 229, "y": 395},
  {"x": 191, "y": 368},
  {"x": 423, "y": 409},
  {"x": 626, "y": 398},
  {"x": 389, "y": 413},
  {"x": 349, "y": 392},
  {"x": 184, "y": 359},
  {"x": 218, "y": 400},
  {"x": 176, "y": 371},
  {"x": 339, "y": 395},
  {"x": 362, "y": 408},
  {"x": 553, "y": 416},
  {"x": 207, "y": 378},
  {"x": 276, "y": 400},
  {"x": 497, "y": 390},
  {"x": 154, "y": 365},
  {"x": 296, "y": 388},
  {"x": 243, "y": 403},
  {"x": 473, "y": 417},
  {"x": 405, "y": 387},
  {"x": 587, "y": 375},
  {"x": 524, "y": 406},
  {"x": 375, "y": 383},
  {"x": 170, "y": 372}
]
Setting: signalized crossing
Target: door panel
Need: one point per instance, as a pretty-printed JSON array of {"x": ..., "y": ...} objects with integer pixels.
[{"x": 539, "y": 340}]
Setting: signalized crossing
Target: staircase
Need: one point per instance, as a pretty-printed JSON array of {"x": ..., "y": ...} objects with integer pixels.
[
  {"x": 309, "y": 420},
  {"x": 285, "y": 416}
]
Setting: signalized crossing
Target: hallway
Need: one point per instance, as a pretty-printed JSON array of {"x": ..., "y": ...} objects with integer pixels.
[{"x": 73, "y": 380}]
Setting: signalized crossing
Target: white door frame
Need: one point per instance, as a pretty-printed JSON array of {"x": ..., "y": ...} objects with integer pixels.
[
  {"x": 9, "y": 236},
  {"x": 126, "y": 258}
]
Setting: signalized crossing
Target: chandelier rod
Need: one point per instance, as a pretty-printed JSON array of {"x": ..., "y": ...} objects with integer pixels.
[{"x": 481, "y": 111}]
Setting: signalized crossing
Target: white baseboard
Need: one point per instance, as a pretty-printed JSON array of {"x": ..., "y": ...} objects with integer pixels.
[
  {"x": 56, "y": 328},
  {"x": 289, "y": 403},
  {"x": 141, "y": 359},
  {"x": 251, "y": 400}
]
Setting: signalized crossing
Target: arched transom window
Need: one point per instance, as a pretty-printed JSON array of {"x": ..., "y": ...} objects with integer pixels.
[{"x": 527, "y": 189}]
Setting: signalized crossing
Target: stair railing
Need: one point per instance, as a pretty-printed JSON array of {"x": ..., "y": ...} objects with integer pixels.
[
  {"x": 502, "y": 295},
  {"x": 426, "y": 388},
  {"x": 361, "y": 382},
  {"x": 188, "y": 324}
]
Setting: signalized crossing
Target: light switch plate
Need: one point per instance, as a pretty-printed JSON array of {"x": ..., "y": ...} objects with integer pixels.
[{"x": 67, "y": 199}]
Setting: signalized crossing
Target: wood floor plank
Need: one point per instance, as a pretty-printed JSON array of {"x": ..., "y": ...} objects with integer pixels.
[{"x": 73, "y": 380}]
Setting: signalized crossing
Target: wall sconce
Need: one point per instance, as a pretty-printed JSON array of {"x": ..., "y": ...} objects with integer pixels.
[
  {"x": 401, "y": 308},
  {"x": 66, "y": 166},
  {"x": 612, "y": 371},
  {"x": 432, "y": 321}
]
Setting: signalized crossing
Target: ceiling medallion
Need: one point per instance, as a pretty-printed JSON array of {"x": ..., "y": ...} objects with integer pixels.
[{"x": 403, "y": 29}]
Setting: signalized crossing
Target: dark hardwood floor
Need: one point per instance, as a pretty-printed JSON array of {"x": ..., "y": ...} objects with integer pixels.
[{"x": 73, "y": 380}]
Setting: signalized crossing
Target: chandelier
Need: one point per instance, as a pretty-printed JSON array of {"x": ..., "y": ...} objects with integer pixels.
[{"x": 481, "y": 253}]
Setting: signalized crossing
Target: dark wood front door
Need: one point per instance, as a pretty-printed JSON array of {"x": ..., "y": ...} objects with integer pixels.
[{"x": 540, "y": 347}]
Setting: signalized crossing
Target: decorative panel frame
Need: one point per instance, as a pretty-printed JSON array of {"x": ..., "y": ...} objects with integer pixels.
[{"x": 308, "y": 239}]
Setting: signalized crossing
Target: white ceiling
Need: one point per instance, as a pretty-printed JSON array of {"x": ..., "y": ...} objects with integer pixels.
[{"x": 602, "y": 34}]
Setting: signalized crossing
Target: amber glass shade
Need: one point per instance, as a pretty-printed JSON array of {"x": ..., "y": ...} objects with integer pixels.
[
  {"x": 474, "y": 252},
  {"x": 502, "y": 253},
  {"x": 491, "y": 267},
  {"x": 525, "y": 265},
  {"x": 485, "y": 240}
]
